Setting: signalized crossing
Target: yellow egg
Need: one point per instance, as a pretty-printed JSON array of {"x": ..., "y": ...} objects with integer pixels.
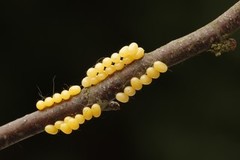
[
  {"x": 94, "y": 80},
  {"x": 107, "y": 62},
  {"x": 66, "y": 119},
  {"x": 57, "y": 98},
  {"x": 140, "y": 53},
  {"x": 124, "y": 52},
  {"x": 115, "y": 57},
  {"x": 160, "y": 66},
  {"x": 65, "y": 128},
  {"x": 122, "y": 97},
  {"x": 127, "y": 60},
  {"x": 51, "y": 129},
  {"x": 100, "y": 67},
  {"x": 133, "y": 49},
  {"x": 119, "y": 66},
  {"x": 152, "y": 73},
  {"x": 40, "y": 105},
  {"x": 58, "y": 123},
  {"x": 92, "y": 72},
  {"x": 101, "y": 76},
  {"x": 65, "y": 94},
  {"x": 48, "y": 102},
  {"x": 130, "y": 91},
  {"x": 73, "y": 123},
  {"x": 110, "y": 70},
  {"x": 80, "y": 118},
  {"x": 86, "y": 82},
  {"x": 136, "y": 83},
  {"x": 87, "y": 113},
  {"x": 74, "y": 90},
  {"x": 145, "y": 80},
  {"x": 96, "y": 110}
]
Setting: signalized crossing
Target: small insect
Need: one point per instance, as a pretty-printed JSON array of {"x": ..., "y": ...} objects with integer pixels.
[{"x": 225, "y": 45}]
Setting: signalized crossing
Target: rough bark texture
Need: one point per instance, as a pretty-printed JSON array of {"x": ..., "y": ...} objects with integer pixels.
[{"x": 104, "y": 93}]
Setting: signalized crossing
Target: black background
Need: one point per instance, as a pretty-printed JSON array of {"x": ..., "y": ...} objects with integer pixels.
[{"x": 191, "y": 112}]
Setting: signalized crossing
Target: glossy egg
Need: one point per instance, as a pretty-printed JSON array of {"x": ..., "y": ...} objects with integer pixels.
[
  {"x": 87, "y": 113},
  {"x": 65, "y": 128},
  {"x": 80, "y": 118},
  {"x": 40, "y": 105},
  {"x": 152, "y": 73},
  {"x": 74, "y": 90},
  {"x": 51, "y": 129},
  {"x": 160, "y": 66},
  {"x": 122, "y": 97},
  {"x": 136, "y": 83},
  {"x": 65, "y": 94},
  {"x": 130, "y": 91},
  {"x": 145, "y": 80},
  {"x": 96, "y": 110},
  {"x": 57, "y": 98}
]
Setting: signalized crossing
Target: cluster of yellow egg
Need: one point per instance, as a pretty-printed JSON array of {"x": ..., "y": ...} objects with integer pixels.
[
  {"x": 57, "y": 97},
  {"x": 72, "y": 123},
  {"x": 95, "y": 75},
  {"x": 137, "y": 83},
  {"x": 109, "y": 65}
]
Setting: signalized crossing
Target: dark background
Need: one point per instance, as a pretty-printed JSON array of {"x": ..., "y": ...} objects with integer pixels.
[{"x": 191, "y": 112}]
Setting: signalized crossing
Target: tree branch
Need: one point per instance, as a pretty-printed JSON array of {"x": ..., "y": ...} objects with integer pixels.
[{"x": 104, "y": 93}]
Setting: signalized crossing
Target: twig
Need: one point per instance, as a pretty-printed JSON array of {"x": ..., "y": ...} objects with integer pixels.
[{"x": 104, "y": 93}]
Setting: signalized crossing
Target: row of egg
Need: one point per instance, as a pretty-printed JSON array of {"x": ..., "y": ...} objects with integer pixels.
[
  {"x": 73, "y": 123},
  {"x": 137, "y": 83},
  {"x": 58, "y": 97},
  {"x": 109, "y": 65}
]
